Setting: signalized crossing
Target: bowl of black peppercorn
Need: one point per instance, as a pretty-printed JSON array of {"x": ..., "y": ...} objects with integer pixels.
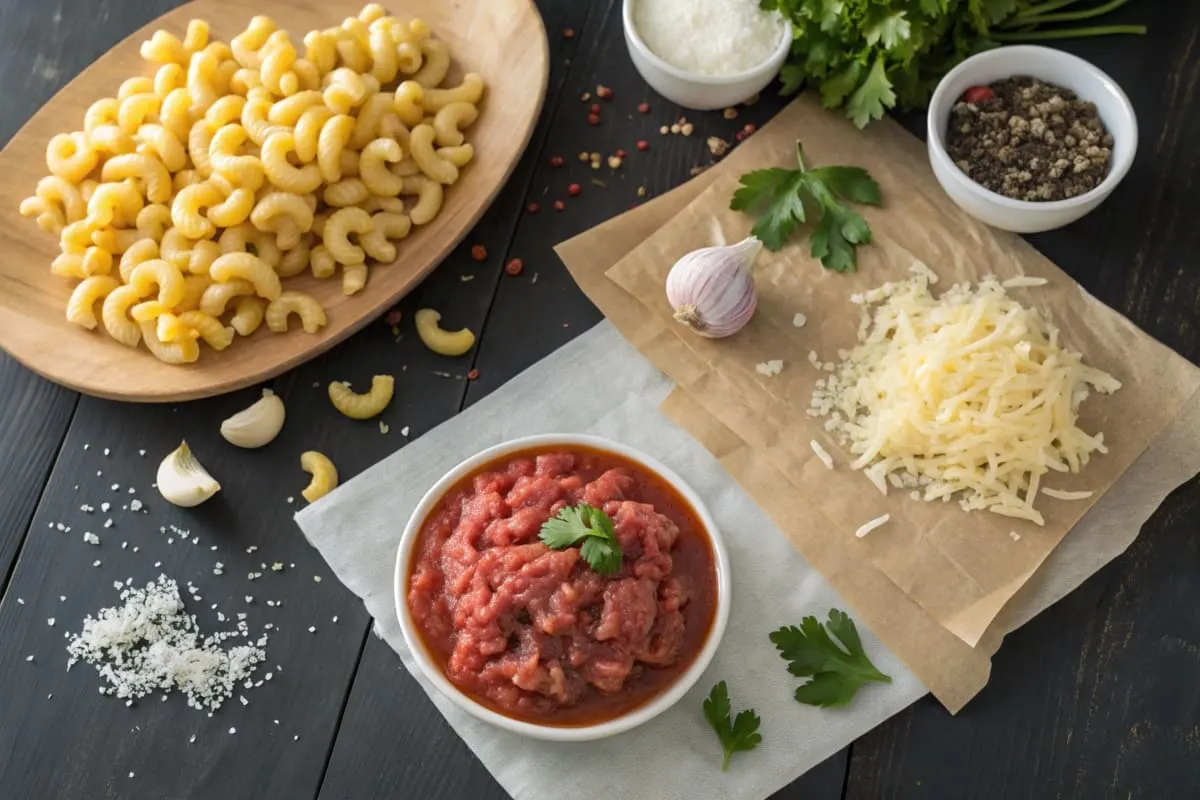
[{"x": 1029, "y": 138}]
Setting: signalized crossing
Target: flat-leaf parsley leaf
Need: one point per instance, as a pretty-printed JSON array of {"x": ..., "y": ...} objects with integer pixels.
[
  {"x": 778, "y": 197},
  {"x": 836, "y": 670},
  {"x": 740, "y": 733},
  {"x": 592, "y": 527}
]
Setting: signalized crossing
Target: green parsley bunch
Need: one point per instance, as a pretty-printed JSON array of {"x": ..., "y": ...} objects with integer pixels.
[{"x": 868, "y": 56}]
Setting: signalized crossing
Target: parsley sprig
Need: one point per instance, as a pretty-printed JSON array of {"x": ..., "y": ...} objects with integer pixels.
[
  {"x": 592, "y": 527},
  {"x": 836, "y": 670},
  {"x": 740, "y": 733},
  {"x": 781, "y": 198}
]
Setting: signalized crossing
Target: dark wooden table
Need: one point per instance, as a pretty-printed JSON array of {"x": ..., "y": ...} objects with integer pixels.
[{"x": 1099, "y": 697}]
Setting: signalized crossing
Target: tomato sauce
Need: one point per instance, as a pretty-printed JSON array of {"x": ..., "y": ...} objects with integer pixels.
[{"x": 538, "y": 635}]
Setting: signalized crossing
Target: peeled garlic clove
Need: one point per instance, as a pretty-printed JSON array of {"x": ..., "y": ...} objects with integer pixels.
[
  {"x": 182, "y": 481},
  {"x": 257, "y": 425},
  {"x": 712, "y": 289}
]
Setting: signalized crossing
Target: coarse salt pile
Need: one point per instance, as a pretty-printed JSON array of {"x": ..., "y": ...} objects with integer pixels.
[
  {"x": 708, "y": 37},
  {"x": 968, "y": 395},
  {"x": 151, "y": 644}
]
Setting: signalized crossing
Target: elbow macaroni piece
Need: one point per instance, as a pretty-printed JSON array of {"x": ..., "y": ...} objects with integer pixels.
[
  {"x": 312, "y": 316},
  {"x": 354, "y": 278},
  {"x": 442, "y": 342},
  {"x": 229, "y": 168},
  {"x": 280, "y": 172},
  {"x": 247, "y": 267},
  {"x": 324, "y": 475},
  {"x": 81, "y": 305},
  {"x": 372, "y": 166},
  {"x": 248, "y": 315},
  {"x": 338, "y": 228},
  {"x": 363, "y": 406},
  {"x": 433, "y": 166}
]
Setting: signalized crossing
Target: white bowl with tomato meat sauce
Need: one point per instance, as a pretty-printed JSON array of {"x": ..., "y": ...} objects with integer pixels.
[{"x": 535, "y": 640}]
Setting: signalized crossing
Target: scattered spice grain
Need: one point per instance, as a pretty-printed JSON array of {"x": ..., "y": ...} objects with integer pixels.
[
  {"x": 478, "y": 252},
  {"x": 514, "y": 266}
]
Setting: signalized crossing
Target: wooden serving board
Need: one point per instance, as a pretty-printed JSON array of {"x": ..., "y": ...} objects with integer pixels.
[{"x": 503, "y": 40}]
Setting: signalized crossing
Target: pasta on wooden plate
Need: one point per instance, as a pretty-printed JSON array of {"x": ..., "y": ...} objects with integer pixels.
[{"x": 189, "y": 197}]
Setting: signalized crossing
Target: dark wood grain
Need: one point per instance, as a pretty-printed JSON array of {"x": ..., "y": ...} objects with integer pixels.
[
  {"x": 1097, "y": 697},
  {"x": 34, "y": 416}
]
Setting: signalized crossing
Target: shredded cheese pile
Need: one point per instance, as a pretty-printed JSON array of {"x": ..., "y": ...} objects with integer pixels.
[{"x": 968, "y": 395}]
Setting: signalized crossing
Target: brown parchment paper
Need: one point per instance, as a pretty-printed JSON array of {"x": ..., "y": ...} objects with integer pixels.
[
  {"x": 960, "y": 568},
  {"x": 953, "y": 671}
]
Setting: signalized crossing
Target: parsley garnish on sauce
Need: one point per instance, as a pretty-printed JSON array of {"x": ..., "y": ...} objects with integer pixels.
[
  {"x": 592, "y": 527},
  {"x": 836, "y": 670},
  {"x": 740, "y": 733},
  {"x": 778, "y": 197}
]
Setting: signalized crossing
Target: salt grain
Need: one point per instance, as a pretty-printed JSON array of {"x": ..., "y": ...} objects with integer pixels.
[{"x": 151, "y": 644}]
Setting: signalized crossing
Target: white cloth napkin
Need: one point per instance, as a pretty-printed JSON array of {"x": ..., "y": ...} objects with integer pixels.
[{"x": 676, "y": 755}]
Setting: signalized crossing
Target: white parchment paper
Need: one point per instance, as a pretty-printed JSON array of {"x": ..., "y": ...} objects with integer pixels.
[
  {"x": 357, "y": 529},
  {"x": 676, "y": 756}
]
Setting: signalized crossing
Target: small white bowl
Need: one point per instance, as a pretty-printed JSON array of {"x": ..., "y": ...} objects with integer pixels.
[
  {"x": 581, "y": 733},
  {"x": 692, "y": 90},
  {"x": 1051, "y": 66}
]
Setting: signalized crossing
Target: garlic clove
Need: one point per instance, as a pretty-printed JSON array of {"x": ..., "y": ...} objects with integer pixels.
[
  {"x": 712, "y": 289},
  {"x": 182, "y": 481},
  {"x": 257, "y": 425}
]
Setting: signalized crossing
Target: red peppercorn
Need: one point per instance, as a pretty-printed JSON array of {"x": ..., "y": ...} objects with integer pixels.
[
  {"x": 559, "y": 205},
  {"x": 621, "y": 153},
  {"x": 593, "y": 119},
  {"x": 514, "y": 266},
  {"x": 740, "y": 136},
  {"x": 750, "y": 128},
  {"x": 568, "y": 33},
  {"x": 643, "y": 145},
  {"x": 393, "y": 318},
  {"x": 556, "y": 161},
  {"x": 532, "y": 208},
  {"x": 574, "y": 189},
  {"x": 478, "y": 252},
  {"x": 604, "y": 93},
  {"x": 595, "y": 109},
  {"x": 473, "y": 374},
  {"x": 643, "y": 108},
  {"x": 979, "y": 94}
]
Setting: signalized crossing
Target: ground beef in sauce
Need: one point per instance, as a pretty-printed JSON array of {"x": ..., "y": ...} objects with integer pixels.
[{"x": 533, "y": 629}]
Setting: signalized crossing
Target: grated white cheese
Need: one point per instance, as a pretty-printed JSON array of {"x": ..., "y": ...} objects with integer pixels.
[
  {"x": 967, "y": 395},
  {"x": 769, "y": 368},
  {"x": 150, "y": 643},
  {"x": 822, "y": 454},
  {"x": 866, "y": 528},
  {"x": 1023, "y": 280},
  {"x": 799, "y": 320},
  {"x": 708, "y": 37},
  {"x": 1059, "y": 494}
]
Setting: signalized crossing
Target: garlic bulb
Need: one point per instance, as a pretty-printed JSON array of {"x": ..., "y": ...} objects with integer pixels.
[
  {"x": 712, "y": 290},
  {"x": 182, "y": 481},
  {"x": 257, "y": 425}
]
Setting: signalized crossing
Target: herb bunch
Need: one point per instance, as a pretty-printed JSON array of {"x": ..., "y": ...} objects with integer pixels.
[{"x": 868, "y": 56}]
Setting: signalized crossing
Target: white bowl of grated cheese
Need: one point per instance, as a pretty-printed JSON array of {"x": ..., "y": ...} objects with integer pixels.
[{"x": 705, "y": 54}]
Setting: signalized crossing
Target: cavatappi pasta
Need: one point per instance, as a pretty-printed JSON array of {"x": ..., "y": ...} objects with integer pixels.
[{"x": 190, "y": 197}]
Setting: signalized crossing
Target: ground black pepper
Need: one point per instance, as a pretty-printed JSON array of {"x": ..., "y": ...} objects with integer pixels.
[{"x": 1029, "y": 140}]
